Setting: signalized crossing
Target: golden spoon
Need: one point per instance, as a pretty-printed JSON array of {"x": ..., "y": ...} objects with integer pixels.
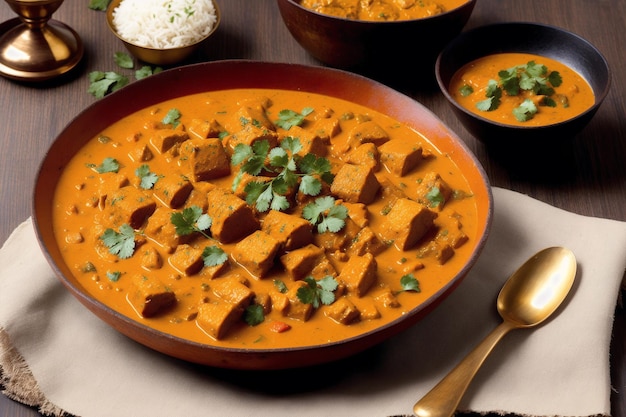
[{"x": 528, "y": 297}]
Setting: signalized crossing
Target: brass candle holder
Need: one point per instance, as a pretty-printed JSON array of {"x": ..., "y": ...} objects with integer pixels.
[{"x": 35, "y": 48}]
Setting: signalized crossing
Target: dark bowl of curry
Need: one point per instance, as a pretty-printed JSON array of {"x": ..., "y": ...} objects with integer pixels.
[
  {"x": 285, "y": 219},
  {"x": 523, "y": 85},
  {"x": 398, "y": 38}
]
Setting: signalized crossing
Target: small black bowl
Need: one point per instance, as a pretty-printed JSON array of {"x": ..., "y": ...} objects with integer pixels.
[{"x": 539, "y": 39}]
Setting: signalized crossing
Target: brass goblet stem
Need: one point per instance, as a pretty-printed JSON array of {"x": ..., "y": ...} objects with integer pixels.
[{"x": 37, "y": 48}]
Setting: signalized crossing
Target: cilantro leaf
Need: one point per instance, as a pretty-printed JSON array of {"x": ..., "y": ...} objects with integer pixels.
[
  {"x": 525, "y": 111},
  {"x": 191, "y": 220},
  {"x": 147, "y": 71},
  {"x": 114, "y": 276},
  {"x": 99, "y": 5},
  {"x": 213, "y": 256},
  {"x": 120, "y": 243},
  {"x": 325, "y": 214},
  {"x": 102, "y": 83},
  {"x": 318, "y": 292},
  {"x": 254, "y": 315},
  {"x": 287, "y": 169},
  {"x": 408, "y": 282},
  {"x": 123, "y": 60},
  {"x": 466, "y": 90},
  {"x": 172, "y": 118},
  {"x": 108, "y": 165},
  {"x": 435, "y": 197},
  {"x": 288, "y": 118},
  {"x": 148, "y": 179},
  {"x": 280, "y": 286}
]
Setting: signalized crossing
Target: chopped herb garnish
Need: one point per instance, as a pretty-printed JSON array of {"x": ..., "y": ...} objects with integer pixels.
[
  {"x": 288, "y": 118},
  {"x": 532, "y": 77},
  {"x": 435, "y": 197},
  {"x": 172, "y": 118},
  {"x": 254, "y": 314},
  {"x": 325, "y": 214},
  {"x": 108, "y": 165},
  {"x": 120, "y": 243},
  {"x": 287, "y": 169},
  {"x": 525, "y": 111},
  {"x": 191, "y": 220},
  {"x": 280, "y": 286},
  {"x": 114, "y": 276},
  {"x": 408, "y": 282},
  {"x": 318, "y": 292},
  {"x": 493, "y": 94},
  {"x": 148, "y": 179},
  {"x": 466, "y": 90},
  {"x": 213, "y": 256}
]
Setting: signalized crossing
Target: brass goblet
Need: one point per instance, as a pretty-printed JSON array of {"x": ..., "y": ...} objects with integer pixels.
[{"x": 34, "y": 47}]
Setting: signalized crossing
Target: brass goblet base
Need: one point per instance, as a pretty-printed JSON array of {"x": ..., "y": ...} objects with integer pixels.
[{"x": 37, "y": 52}]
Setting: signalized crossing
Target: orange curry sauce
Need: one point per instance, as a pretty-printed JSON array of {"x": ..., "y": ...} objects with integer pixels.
[
  {"x": 382, "y": 10},
  {"x": 394, "y": 226},
  {"x": 572, "y": 97}
]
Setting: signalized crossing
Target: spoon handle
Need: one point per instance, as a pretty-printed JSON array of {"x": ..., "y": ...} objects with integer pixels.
[{"x": 443, "y": 399}]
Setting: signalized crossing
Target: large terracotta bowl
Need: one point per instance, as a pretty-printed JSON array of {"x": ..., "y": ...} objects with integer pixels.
[{"x": 248, "y": 74}]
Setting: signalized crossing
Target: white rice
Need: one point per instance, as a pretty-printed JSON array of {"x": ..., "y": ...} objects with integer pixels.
[{"x": 164, "y": 24}]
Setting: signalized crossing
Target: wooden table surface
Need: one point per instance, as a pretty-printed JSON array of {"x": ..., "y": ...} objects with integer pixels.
[{"x": 590, "y": 179}]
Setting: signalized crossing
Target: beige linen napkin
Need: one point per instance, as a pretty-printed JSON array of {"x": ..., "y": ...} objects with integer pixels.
[{"x": 560, "y": 368}]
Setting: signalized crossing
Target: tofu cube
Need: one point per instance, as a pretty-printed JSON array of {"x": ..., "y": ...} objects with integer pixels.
[
  {"x": 232, "y": 217},
  {"x": 206, "y": 159},
  {"x": 187, "y": 260},
  {"x": 173, "y": 189},
  {"x": 343, "y": 311},
  {"x": 217, "y": 318},
  {"x": 406, "y": 223},
  {"x": 300, "y": 263},
  {"x": 355, "y": 184},
  {"x": 149, "y": 296},
  {"x": 291, "y": 231},
  {"x": 400, "y": 157},
  {"x": 256, "y": 253},
  {"x": 359, "y": 274}
]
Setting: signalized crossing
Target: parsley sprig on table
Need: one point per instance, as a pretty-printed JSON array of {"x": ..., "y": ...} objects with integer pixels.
[
  {"x": 102, "y": 83},
  {"x": 287, "y": 169},
  {"x": 531, "y": 77}
]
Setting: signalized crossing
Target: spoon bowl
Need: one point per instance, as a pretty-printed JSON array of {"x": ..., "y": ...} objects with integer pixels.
[{"x": 529, "y": 297}]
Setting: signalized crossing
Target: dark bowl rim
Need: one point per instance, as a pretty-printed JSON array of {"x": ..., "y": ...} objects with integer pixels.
[
  {"x": 111, "y": 26},
  {"x": 88, "y": 300},
  {"x": 599, "y": 98},
  {"x": 296, "y": 3}
]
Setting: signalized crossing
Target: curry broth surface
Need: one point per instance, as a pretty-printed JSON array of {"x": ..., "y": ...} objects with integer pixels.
[
  {"x": 382, "y": 10},
  {"x": 78, "y": 222},
  {"x": 477, "y": 74}
]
